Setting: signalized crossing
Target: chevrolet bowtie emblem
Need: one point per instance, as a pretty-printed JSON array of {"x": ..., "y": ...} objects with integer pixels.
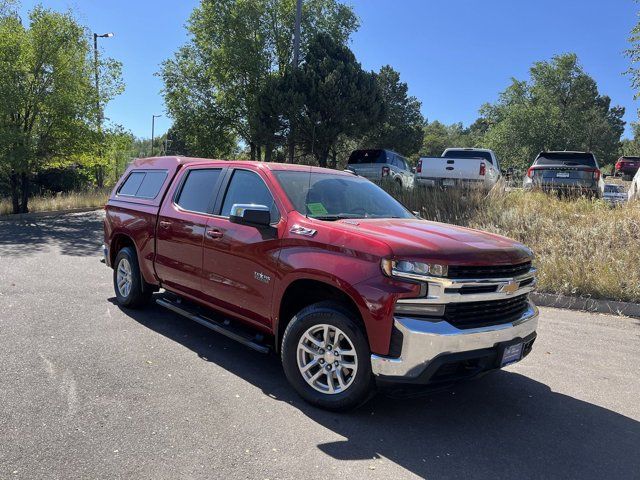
[{"x": 510, "y": 288}]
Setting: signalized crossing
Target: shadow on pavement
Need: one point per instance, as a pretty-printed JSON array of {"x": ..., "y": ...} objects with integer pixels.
[
  {"x": 78, "y": 234},
  {"x": 504, "y": 425}
]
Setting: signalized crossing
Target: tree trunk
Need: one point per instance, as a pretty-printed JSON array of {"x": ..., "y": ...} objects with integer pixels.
[
  {"x": 15, "y": 196},
  {"x": 24, "y": 184},
  {"x": 322, "y": 158},
  {"x": 259, "y": 153},
  {"x": 99, "y": 176},
  {"x": 268, "y": 153},
  {"x": 334, "y": 160},
  {"x": 252, "y": 147}
]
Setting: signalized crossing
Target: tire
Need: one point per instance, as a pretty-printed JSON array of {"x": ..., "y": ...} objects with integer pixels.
[
  {"x": 355, "y": 385},
  {"x": 132, "y": 293}
]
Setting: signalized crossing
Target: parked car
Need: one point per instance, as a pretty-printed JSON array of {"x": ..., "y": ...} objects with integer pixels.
[
  {"x": 459, "y": 167},
  {"x": 614, "y": 194},
  {"x": 626, "y": 167},
  {"x": 323, "y": 267},
  {"x": 566, "y": 172},
  {"x": 378, "y": 165}
]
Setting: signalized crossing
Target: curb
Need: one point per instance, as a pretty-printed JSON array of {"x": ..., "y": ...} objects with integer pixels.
[
  {"x": 50, "y": 213},
  {"x": 611, "y": 307}
]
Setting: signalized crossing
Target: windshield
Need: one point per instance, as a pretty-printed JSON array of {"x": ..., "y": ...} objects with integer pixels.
[
  {"x": 566, "y": 158},
  {"x": 468, "y": 154},
  {"x": 333, "y": 197},
  {"x": 367, "y": 156}
]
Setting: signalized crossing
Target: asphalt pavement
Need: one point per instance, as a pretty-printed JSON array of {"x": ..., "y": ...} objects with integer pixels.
[{"x": 88, "y": 390}]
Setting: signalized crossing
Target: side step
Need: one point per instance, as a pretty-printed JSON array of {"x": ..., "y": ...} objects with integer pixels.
[{"x": 224, "y": 327}]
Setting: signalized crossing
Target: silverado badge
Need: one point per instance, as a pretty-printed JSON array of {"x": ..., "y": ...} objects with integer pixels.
[{"x": 261, "y": 277}]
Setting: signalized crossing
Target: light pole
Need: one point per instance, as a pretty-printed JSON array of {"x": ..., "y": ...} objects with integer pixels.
[
  {"x": 153, "y": 126},
  {"x": 296, "y": 57},
  {"x": 100, "y": 173}
]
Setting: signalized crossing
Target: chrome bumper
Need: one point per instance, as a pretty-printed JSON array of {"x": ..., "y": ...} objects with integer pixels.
[{"x": 423, "y": 341}]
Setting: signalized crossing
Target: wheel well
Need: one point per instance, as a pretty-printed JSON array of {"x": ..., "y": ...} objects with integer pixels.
[
  {"x": 118, "y": 243},
  {"x": 303, "y": 293}
]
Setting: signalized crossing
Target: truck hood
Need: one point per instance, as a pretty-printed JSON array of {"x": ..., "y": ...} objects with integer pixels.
[{"x": 434, "y": 241}]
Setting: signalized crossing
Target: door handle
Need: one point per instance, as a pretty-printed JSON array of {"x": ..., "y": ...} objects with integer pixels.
[
  {"x": 214, "y": 233},
  {"x": 163, "y": 224}
]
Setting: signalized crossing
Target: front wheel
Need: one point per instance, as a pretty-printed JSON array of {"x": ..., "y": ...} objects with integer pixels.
[
  {"x": 127, "y": 280},
  {"x": 326, "y": 357}
]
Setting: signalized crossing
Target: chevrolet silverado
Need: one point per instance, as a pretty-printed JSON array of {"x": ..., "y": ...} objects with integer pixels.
[{"x": 351, "y": 289}]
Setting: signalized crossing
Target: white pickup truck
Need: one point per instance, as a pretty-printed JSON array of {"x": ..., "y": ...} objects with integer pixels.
[{"x": 459, "y": 167}]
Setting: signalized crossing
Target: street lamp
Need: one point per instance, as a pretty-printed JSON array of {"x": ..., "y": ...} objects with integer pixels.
[
  {"x": 153, "y": 125},
  {"x": 296, "y": 56},
  {"x": 100, "y": 175}
]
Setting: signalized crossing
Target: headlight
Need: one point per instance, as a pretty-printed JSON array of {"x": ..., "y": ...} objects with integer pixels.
[{"x": 412, "y": 270}]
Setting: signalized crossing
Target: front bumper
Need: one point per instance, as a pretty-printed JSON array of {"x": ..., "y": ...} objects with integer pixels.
[{"x": 429, "y": 344}]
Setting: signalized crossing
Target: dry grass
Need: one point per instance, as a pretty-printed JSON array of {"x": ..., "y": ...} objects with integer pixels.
[
  {"x": 63, "y": 201},
  {"x": 583, "y": 247}
]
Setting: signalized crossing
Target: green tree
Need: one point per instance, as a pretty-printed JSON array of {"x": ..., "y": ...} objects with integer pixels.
[
  {"x": 214, "y": 85},
  {"x": 400, "y": 128},
  {"x": 329, "y": 96},
  {"x": 47, "y": 95},
  {"x": 633, "y": 53},
  {"x": 631, "y": 147},
  {"x": 559, "y": 108},
  {"x": 438, "y": 137}
]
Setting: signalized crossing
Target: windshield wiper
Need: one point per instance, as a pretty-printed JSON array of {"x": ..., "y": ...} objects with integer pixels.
[{"x": 341, "y": 216}]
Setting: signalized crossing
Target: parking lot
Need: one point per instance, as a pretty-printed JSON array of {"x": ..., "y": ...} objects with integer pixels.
[{"x": 88, "y": 390}]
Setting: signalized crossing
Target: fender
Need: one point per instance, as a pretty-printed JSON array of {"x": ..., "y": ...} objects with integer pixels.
[{"x": 357, "y": 276}]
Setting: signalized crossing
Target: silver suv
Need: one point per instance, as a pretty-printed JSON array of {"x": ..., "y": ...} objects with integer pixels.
[{"x": 378, "y": 164}]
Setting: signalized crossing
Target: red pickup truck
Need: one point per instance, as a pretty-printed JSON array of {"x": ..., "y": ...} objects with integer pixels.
[{"x": 323, "y": 267}]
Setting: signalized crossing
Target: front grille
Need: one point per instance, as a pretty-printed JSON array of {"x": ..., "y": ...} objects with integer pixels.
[
  {"x": 482, "y": 314},
  {"x": 489, "y": 271},
  {"x": 472, "y": 289}
]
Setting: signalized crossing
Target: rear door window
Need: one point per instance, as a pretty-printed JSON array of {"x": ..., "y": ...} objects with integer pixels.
[{"x": 199, "y": 190}]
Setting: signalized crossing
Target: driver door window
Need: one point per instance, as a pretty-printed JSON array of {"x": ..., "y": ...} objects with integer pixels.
[{"x": 247, "y": 187}]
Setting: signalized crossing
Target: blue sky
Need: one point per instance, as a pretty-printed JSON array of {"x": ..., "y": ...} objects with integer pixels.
[{"x": 454, "y": 54}]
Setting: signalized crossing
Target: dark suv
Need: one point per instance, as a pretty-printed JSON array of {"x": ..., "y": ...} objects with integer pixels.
[{"x": 565, "y": 172}]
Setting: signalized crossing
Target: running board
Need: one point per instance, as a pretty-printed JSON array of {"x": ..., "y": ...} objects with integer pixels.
[{"x": 225, "y": 327}]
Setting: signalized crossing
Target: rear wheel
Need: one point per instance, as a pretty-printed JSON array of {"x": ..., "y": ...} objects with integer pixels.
[
  {"x": 127, "y": 280},
  {"x": 326, "y": 357}
]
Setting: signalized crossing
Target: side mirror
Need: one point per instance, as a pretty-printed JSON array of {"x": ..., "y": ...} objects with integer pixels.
[
  {"x": 253, "y": 215},
  {"x": 413, "y": 169}
]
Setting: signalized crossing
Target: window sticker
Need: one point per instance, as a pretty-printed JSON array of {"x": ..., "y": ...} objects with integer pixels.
[{"x": 317, "y": 208}]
